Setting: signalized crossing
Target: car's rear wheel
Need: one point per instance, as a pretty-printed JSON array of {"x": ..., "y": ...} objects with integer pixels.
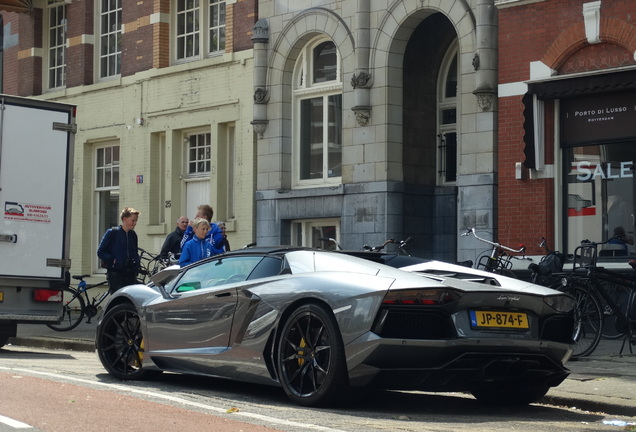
[
  {"x": 510, "y": 394},
  {"x": 120, "y": 343},
  {"x": 310, "y": 357}
]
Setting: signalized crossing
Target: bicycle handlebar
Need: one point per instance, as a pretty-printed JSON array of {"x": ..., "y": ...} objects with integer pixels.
[
  {"x": 400, "y": 244},
  {"x": 521, "y": 250}
]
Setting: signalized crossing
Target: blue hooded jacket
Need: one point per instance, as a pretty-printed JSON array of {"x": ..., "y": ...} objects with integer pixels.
[
  {"x": 195, "y": 250},
  {"x": 214, "y": 237}
]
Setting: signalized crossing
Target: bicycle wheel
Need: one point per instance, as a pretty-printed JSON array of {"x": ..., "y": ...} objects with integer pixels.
[
  {"x": 588, "y": 320},
  {"x": 73, "y": 312},
  {"x": 611, "y": 326}
]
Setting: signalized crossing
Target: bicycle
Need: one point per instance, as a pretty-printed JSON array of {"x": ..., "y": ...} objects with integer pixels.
[
  {"x": 594, "y": 290},
  {"x": 548, "y": 271},
  {"x": 401, "y": 245},
  {"x": 149, "y": 264},
  {"x": 79, "y": 304},
  {"x": 500, "y": 260}
]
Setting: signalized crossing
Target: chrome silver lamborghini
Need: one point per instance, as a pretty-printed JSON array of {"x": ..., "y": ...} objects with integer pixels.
[{"x": 320, "y": 323}]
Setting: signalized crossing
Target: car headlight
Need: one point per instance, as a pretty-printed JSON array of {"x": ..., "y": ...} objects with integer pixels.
[{"x": 560, "y": 303}]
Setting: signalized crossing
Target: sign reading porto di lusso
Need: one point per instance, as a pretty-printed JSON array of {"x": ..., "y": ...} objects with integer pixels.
[{"x": 598, "y": 119}]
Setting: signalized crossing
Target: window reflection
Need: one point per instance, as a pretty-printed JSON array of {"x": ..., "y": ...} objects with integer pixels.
[{"x": 600, "y": 197}]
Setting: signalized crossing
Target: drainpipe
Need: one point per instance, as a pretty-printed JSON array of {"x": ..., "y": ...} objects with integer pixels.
[
  {"x": 361, "y": 80},
  {"x": 260, "y": 38},
  {"x": 485, "y": 58}
]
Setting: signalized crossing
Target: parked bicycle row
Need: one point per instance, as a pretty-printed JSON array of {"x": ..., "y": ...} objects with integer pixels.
[{"x": 605, "y": 298}]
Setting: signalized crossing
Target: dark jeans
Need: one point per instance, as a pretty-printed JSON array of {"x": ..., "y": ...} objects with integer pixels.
[{"x": 119, "y": 279}]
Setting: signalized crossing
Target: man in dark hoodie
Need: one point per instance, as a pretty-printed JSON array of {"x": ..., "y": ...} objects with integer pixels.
[
  {"x": 118, "y": 251},
  {"x": 173, "y": 240}
]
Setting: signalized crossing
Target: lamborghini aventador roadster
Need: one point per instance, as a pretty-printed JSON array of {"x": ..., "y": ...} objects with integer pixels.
[{"x": 320, "y": 323}]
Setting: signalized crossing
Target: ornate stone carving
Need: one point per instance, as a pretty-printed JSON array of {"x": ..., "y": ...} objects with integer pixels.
[
  {"x": 261, "y": 31},
  {"x": 476, "y": 61},
  {"x": 486, "y": 101},
  {"x": 362, "y": 80},
  {"x": 259, "y": 127},
  {"x": 363, "y": 115},
  {"x": 261, "y": 96}
]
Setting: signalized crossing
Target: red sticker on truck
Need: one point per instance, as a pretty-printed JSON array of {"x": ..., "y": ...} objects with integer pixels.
[{"x": 27, "y": 212}]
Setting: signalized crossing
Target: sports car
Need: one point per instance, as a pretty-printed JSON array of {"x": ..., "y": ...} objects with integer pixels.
[{"x": 320, "y": 324}]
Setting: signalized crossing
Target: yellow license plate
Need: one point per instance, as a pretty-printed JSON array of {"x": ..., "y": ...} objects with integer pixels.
[
  {"x": 1, "y": 296},
  {"x": 494, "y": 319}
]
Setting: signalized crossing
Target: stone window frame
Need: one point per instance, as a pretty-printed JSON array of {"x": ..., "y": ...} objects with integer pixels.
[
  {"x": 444, "y": 127},
  {"x": 304, "y": 89},
  {"x": 112, "y": 54},
  {"x": 55, "y": 61},
  {"x": 200, "y": 36}
]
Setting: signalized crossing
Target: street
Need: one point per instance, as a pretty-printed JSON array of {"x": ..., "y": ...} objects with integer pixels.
[{"x": 62, "y": 390}]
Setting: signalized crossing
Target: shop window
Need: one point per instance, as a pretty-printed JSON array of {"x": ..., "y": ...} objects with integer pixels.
[
  {"x": 109, "y": 38},
  {"x": 317, "y": 115},
  {"x": 199, "y": 28},
  {"x": 598, "y": 138},
  {"x": 599, "y": 196}
]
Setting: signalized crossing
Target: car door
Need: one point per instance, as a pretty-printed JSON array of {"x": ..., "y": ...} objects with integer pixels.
[{"x": 197, "y": 320}]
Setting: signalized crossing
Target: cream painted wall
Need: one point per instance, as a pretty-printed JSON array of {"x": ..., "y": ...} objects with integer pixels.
[{"x": 140, "y": 112}]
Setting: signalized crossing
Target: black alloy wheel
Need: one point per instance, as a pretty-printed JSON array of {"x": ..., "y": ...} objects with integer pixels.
[
  {"x": 310, "y": 358},
  {"x": 120, "y": 343}
]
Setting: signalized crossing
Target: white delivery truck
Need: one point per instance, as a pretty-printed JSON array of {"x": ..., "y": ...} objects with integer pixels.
[{"x": 36, "y": 179}]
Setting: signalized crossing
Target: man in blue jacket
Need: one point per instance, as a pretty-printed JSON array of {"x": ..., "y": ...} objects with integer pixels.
[
  {"x": 119, "y": 253},
  {"x": 198, "y": 247},
  {"x": 214, "y": 235}
]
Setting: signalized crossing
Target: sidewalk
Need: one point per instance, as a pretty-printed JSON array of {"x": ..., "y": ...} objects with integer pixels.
[{"x": 603, "y": 382}]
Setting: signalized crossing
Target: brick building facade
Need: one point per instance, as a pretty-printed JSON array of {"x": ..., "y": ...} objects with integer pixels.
[
  {"x": 163, "y": 95},
  {"x": 567, "y": 123}
]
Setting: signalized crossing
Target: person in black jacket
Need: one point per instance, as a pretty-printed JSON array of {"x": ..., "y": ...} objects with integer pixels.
[
  {"x": 173, "y": 240},
  {"x": 119, "y": 253}
]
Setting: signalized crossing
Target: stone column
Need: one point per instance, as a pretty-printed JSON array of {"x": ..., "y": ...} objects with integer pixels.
[
  {"x": 361, "y": 79},
  {"x": 261, "y": 94},
  {"x": 485, "y": 58}
]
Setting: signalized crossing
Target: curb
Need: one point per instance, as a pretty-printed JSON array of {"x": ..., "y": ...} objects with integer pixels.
[
  {"x": 598, "y": 404},
  {"x": 54, "y": 343}
]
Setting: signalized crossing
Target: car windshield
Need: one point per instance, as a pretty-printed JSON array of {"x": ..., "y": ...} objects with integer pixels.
[{"x": 217, "y": 272}]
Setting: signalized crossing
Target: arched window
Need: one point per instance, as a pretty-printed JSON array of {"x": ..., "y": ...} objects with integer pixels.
[
  {"x": 447, "y": 119},
  {"x": 317, "y": 101}
]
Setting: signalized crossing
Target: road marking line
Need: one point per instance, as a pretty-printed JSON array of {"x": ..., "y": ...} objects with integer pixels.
[
  {"x": 14, "y": 423},
  {"x": 301, "y": 426}
]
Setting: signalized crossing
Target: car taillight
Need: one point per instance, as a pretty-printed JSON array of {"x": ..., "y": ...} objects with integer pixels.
[
  {"x": 430, "y": 296},
  {"x": 47, "y": 295},
  {"x": 560, "y": 303}
]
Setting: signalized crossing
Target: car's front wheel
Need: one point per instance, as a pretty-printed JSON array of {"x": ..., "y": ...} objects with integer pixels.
[
  {"x": 310, "y": 357},
  {"x": 120, "y": 343},
  {"x": 510, "y": 394}
]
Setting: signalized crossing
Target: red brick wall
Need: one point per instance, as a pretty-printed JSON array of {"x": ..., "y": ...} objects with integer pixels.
[
  {"x": 244, "y": 18},
  {"x": 79, "y": 55},
  {"x": 137, "y": 40},
  {"x": 552, "y": 32}
]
